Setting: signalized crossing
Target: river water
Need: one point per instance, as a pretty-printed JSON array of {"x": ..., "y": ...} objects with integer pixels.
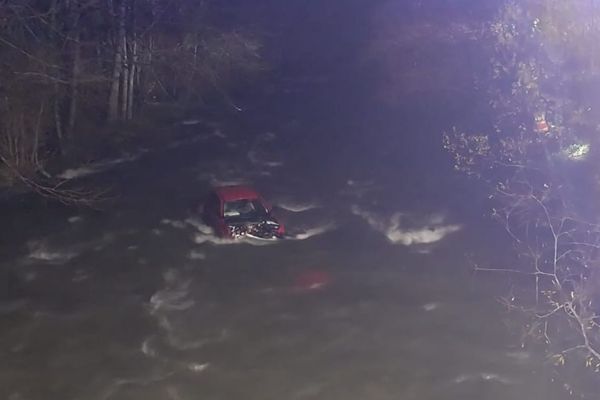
[{"x": 372, "y": 297}]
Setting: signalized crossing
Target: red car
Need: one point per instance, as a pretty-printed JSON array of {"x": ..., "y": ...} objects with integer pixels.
[{"x": 240, "y": 211}]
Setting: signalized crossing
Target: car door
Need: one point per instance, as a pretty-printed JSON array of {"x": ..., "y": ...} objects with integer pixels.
[
  {"x": 213, "y": 215},
  {"x": 211, "y": 209}
]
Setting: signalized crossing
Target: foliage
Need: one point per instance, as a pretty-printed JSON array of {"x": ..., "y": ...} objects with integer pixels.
[
  {"x": 537, "y": 158},
  {"x": 71, "y": 63}
]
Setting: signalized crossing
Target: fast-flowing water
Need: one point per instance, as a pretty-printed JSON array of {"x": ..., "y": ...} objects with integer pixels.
[{"x": 371, "y": 297}]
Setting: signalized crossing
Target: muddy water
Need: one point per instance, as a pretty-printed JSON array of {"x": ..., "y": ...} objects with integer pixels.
[{"x": 369, "y": 298}]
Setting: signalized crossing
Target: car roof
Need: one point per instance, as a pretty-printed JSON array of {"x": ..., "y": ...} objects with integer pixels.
[{"x": 238, "y": 192}]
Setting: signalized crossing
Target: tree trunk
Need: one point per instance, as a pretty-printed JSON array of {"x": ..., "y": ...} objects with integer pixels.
[
  {"x": 58, "y": 126},
  {"x": 146, "y": 80},
  {"x": 132, "y": 78},
  {"x": 125, "y": 80},
  {"x": 75, "y": 73},
  {"x": 113, "y": 101},
  {"x": 57, "y": 98},
  {"x": 36, "y": 138}
]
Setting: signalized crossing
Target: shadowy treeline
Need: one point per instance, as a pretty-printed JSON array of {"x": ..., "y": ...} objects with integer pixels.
[{"x": 68, "y": 67}]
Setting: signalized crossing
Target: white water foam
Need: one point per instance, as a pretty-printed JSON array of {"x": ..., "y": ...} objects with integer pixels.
[
  {"x": 189, "y": 122},
  {"x": 148, "y": 349},
  {"x": 166, "y": 305},
  {"x": 297, "y": 207},
  {"x": 178, "y": 343},
  {"x": 41, "y": 251},
  {"x": 220, "y": 181},
  {"x": 44, "y": 251},
  {"x": 430, "y": 233},
  {"x": 431, "y": 230},
  {"x": 372, "y": 219},
  {"x": 99, "y": 166},
  {"x": 223, "y": 175},
  {"x": 358, "y": 189},
  {"x": 196, "y": 255},
  {"x": 266, "y": 137},
  {"x": 173, "y": 223},
  {"x": 174, "y": 296},
  {"x": 483, "y": 376},
  {"x": 73, "y": 173},
  {"x": 315, "y": 231},
  {"x": 206, "y": 234},
  {"x": 197, "y": 367},
  {"x": 202, "y": 238},
  {"x": 258, "y": 160},
  {"x": 116, "y": 385},
  {"x": 171, "y": 299},
  {"x": 53, "y": 257},
  {"x": 218, "y": 133},
  {"x": 80, "y": 275},
  {"x": 430, "y": 306},
  {"x": 199, "y": 225}
]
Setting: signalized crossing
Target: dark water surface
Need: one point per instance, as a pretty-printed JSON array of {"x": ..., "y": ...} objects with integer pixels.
[{"x": 140, "y": 301}]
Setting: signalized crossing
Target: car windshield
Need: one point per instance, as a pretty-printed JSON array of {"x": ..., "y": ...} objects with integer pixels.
[{"x": 243, "y": 210}]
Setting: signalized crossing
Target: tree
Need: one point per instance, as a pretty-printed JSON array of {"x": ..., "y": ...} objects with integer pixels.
[
  {"x": 538, "y": 160},
  {"x": 63, "y": 60},
  {"x": 118, "y": 84}
]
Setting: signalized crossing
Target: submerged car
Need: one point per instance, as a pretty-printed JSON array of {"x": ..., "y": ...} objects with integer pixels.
[{"x": 240, "y": 211}]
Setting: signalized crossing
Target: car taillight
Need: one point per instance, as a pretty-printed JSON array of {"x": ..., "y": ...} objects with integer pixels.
[{"x": 281, "y": 229}]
